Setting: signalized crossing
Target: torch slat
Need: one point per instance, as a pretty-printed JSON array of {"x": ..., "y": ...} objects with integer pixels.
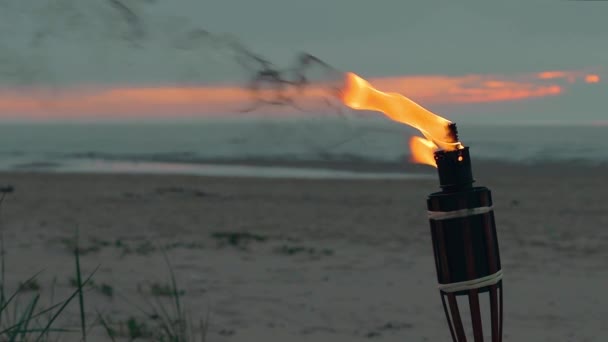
[
  {"x": 447, "y": 314},
  {"x": 500, "y": 319},
  {"x": 471, "y": 272},
  {"x": 494, "y": 313},
  {"x": 443, "y": 258},
  {"x": 476, "y": 315},
  {"x": 455, "y": 313}
]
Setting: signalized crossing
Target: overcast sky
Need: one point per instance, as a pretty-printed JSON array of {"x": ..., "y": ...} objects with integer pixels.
[
  {"x": 388, "y": 37},
  {"x": 372, "y": 38},
  {"x": 395, "y": 37}
]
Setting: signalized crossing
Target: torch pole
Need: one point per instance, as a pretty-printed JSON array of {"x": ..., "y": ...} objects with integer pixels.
[{"x": 465, "y": 247}]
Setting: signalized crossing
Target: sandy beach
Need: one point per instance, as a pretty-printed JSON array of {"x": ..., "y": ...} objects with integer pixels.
[{"x": 310, "y": 260}]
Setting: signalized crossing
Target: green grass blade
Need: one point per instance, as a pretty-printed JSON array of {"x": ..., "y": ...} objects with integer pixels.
[
  {"x": 167, "y": 322},
  {"x": 52, "y": 300},
  {"x": 64, "y": 305},
  {"x": 28, "y": 315},
  {"x": 106, "y": 326},
  {"x": 173, "y": 284},
  {"x": 38, "y": 314},
  {"x": 16, "y": 293},
  {"x": 80, "y": 294},
  {"x": 23, "y": 321}
]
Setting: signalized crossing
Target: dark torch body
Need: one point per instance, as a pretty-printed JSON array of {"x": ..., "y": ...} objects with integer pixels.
[{"x": 465, "y": 246}]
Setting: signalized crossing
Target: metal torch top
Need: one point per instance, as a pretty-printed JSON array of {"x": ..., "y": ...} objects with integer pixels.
[{"x": 454, "y": 168}]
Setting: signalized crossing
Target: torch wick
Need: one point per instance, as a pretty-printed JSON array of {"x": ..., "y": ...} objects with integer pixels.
[{"x": 453, "y": 132}]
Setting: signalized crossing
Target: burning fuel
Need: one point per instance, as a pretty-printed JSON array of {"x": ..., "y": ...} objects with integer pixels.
[
  {"x": 438, "y": 131},
  {"x": 361, "y": 95},
  {"x": 424, "y": 150}
]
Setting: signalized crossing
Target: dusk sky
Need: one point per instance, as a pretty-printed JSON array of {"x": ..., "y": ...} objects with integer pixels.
[
  {"x": 399, "y": 37},
  {"x": 433, "y": 50}
]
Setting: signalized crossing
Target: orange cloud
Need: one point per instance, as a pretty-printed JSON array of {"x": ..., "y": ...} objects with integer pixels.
[
  {"x": 592, "y": 78},
  {"x": 117, "y": 101},
  {"x": 174, "y": 101},
  {"x": 483, "y": 88}
]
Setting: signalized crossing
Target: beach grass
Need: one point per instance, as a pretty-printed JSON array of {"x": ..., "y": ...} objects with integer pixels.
[
  {"x": 29, "y": 321},
  {"x": 24, "y": 318}
]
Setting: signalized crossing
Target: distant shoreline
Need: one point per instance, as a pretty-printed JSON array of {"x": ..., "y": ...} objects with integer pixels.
[{"x": 280, "y": 168}]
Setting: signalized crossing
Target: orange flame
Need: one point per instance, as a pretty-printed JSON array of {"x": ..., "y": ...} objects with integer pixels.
[
  {"x": 422, "y": 151},
  {"x": 359, "y": 94}
]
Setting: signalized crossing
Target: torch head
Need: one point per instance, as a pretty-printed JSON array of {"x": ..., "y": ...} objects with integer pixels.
[
  {"x": 454, "y": 165},
  {"x": 454, "y": 168}
]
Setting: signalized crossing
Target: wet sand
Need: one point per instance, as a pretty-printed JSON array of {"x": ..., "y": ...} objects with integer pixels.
[{"x": 311, "y": 260}]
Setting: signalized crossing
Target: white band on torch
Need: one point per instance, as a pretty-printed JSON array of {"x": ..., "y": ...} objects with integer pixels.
[
  {"x": 446, "y": 215},
  {"x": 472, "y": 284}
]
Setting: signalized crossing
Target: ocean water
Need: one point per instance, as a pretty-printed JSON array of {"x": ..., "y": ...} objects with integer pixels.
[{"x": 197, "y": 146}]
